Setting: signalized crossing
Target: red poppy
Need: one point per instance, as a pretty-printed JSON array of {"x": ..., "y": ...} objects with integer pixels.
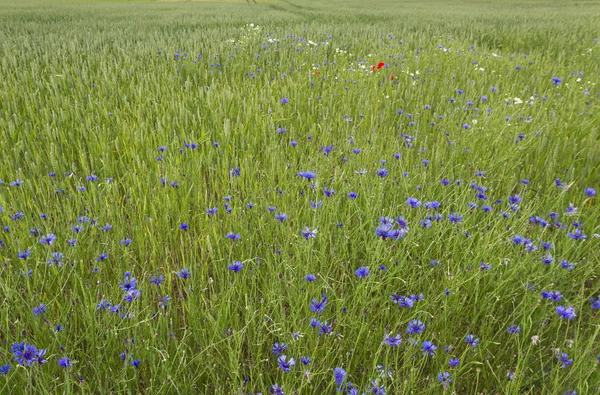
[
  {"x": 392, "y": 77},
  {"x": 317, "y": 72},
  {"x": 380, "y": 65}
]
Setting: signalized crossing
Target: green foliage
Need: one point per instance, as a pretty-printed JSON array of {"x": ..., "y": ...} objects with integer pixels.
[{"x": 94, "y": 88}]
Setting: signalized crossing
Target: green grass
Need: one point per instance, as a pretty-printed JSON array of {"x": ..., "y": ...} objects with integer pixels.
[{"x": 93, "y": 88}]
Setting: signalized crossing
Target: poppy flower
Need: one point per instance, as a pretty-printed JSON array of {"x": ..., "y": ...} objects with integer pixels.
[{"x": 392, "y": 77}]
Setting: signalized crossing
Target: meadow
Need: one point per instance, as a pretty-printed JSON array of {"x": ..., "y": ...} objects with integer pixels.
[{"x": 300, "y": 197}]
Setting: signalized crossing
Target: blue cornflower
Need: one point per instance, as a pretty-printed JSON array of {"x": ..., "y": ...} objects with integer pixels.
[
  {"x": 308, "y": 233},
  {"x": 444, "y": 378},
  {"x": 102, "y": 257},
  {"x": 566, "y": 312},
  {"x": 415, "y": 327},
  {"x": 4, "y": 369},
  {"x": 413, "y": 202},
  {"x": 382, "y": 172},
  {"x": 595, "y": 303},
  {"x": 362, "y": 272},
  {"x": 432, "y": 205},
  {"x": 129, "y": 283},
  {"x": 310, "y": 278},
  {"x": 428, "y": 348},
  {"x": 564, "y": 358},
  {"x": 56, "y": 258},
  {"x": 318, "y": 306},
  {"x": 590, "y": 192},
  {"x": 233, "y": 236},
  {"x": 278, "y": 348},
  {"x": 353, "y": 195},
  {"x": 281, "y": 217},
  {"x": 158, "y": 280},
  {"x": 554, "y": 295},
  {"x": 136, "y": 362},
  {"x": 577, "y": 235},
  {"x": 454, "y": 362},
  {"x": 184, "y": 273},
  {"x": 184, "y": 226},
  {"x": 339, "y": 375},
  {"x": 548, "y": 259},
  {"x": 276, "y": 389},
  {"x": 307, "y": 174},
  {"x": 23, "y": 254},
  {"x": 65, "y": 362},
  {"x": 513, "y": 329},
  {"x": 556, "y": 81},
  {"x": 402, "y": 301},
  {"x": 49, "y": 239},
  {"x": 132, "y": 295},
  {"x": 236, "y": 266},
  {"x": 211, "y": 211},
  {"x": 455, "y": 218},
  {"x": 305, "y": 360},
  {"x": 284, "y": 364},
  {"x": 376, "y": 388},
  {"x": 284, "y": 100},
  {"x": 103, "y": 305},
  {"x": 41, "y": 309},
  {"x": 392, "y": 341},
  {"x": 472, "y": 340},
  {"x": 125, "y": 242}
]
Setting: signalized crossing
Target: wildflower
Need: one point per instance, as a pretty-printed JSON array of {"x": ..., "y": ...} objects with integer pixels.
[
  {"x": 49, "y": 239},
  {"x": 455, "y": 218},
  {"x": 392, "y": 341},
  {"x": 281, "y": 217},
  {"x": 591, "y": 192},
  {"x": 65, "y": 362},
  {"x": 23, "y": 254},
  {"x": 413, "y": 202},
  {"x": 318, "y": 306},
  {"x": 472, "y": 340},
  {"x": 428, "y": 348},
  {"x": 308, "y": 233},
  {"x": 184, "y": 273},
  {"x": 595, "y": 303},
  {"x": 362, "y": 272},
  {"x": 415, "y": 327},
  {"x": 233, "y": 236},
  {"x": 276, "y": 389},
  {"x": 39, "y": 310},
  {"x": 309, "y": 175},
  {"x": 454, "y": 362},
  {"x": 382, "y": 172},
  {"x": 564, "y": 358},
  {"x": 566, "y": 312},
  {"x": 236, "y": 266},
  {"x": 284, "y": 364},
  {"x": 4, "y": 369},
  {"x": 310, "y": 278},
  {"x": 339, "y": 374},
  {"x": 444, "y": 378},
  {"x": 513, "y": 329}
]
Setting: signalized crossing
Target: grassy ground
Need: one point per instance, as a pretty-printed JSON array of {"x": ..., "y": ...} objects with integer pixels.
[{"x": 125, "y": 122}]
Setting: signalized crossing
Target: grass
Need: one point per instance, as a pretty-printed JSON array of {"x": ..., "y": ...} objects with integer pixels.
[{"x": 97, "y": 88}]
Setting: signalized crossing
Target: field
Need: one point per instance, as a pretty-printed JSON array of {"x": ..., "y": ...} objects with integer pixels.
[{"x": 300, "y": 197}]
